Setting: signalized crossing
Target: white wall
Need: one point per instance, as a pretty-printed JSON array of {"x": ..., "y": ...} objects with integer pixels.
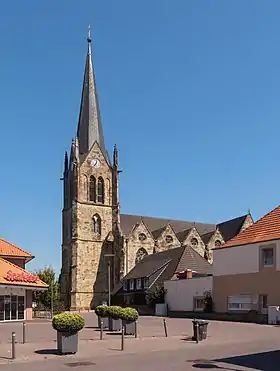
[
  {"x": 179, "y": 294},
  {"x": 240, "y": 259}
]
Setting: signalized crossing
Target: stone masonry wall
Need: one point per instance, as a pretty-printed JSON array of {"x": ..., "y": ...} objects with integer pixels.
[
  {"x": 89, "y": 272},
  {"x": 199, "y": 247},
  {"x": 134, "y": 244},
  {"x": 164, "y": 240}
]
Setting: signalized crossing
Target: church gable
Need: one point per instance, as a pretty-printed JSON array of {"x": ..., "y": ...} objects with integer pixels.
[
  {"x": 194, "y": 240},
  {"x": 247, "y": 222},
  {"x": 212, "y": 240},
  {"x": 165, "y": 238},
  {"x": 94, "y": 159},
  {"x": 140, "y": 243}
]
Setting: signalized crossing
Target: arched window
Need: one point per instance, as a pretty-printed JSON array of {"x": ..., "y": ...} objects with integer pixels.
[
  {"x": 100, "y": 190},
  {"x": 96, "y": 224},
  {"x": 85, "y": 186},
  {"x": 92, "y": 189},
  {"x": 140, "y": 255}
]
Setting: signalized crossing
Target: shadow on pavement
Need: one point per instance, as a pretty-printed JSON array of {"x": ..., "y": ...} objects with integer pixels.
[
  {"x": 212, "y": 366},
  {"x": 266, "y": 361},
  {"x": 47, "y": 352},
  {"x": 188, "y": 338}
]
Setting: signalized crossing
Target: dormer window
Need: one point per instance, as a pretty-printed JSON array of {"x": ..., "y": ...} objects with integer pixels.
[
  {"x": 146, "y": 283},
  {"x": 131, "y": 284},
  {"x": 138, "y": 284},
  {"x": 125, "y": 285}
]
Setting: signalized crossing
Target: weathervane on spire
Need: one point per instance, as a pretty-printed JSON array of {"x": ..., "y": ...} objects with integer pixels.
[{"x": 89, "y": 37}]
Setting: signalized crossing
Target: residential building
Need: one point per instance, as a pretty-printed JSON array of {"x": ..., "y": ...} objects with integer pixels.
[
  {"x": 188, "y": 295},
  {"x": 153, "y": 270},
  {"x": 16, "y": 284},
  {"x": 94, "y": 233},
  {"x": 246, "y": 269}
]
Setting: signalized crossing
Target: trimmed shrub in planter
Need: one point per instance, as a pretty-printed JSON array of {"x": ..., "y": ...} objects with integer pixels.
[
  {"x": 129, "y": 317},
  {"x": 102, "y": 312},
  {"x": 67, "y": 326},
  {"x": 114, "y": 313}
]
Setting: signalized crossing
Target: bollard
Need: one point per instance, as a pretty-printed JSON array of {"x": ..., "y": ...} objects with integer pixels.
[
  {"x": 135, "y": 330},
  {"x": 165, "y": 327},
  {"x": 122, "y": 339},
  {"x": 101, "y": 329},
  {"x": 13, "y": 345},
  {"x": 197, "y": 332},
  {"x": 23, "y": 332}
]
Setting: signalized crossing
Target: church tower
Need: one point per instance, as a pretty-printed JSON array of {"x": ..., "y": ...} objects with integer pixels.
[{"x": 90, "y": 216}]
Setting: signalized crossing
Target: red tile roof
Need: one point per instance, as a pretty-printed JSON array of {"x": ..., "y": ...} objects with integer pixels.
[
  {"x": 7, "y": 268},
  {"x": 266, "y": 228},
  {"x": 8, "y": 249}
]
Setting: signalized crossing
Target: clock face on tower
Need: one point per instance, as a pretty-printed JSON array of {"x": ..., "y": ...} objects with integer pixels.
[{"x": 95, "y": 163}]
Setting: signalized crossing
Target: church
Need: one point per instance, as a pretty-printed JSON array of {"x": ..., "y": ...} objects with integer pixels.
[{"x": 99, "y": 244}]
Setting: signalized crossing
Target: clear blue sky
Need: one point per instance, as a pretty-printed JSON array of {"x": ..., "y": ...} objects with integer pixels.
[{"x": 189, "y": 91}]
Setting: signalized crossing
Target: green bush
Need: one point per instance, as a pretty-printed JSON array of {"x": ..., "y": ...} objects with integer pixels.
[
  {"x": 114, "y": 311},
  {"x": 68, "y": 322},
  {"x": 101, "y": 311},
  {"x": 129, "y": 314}
]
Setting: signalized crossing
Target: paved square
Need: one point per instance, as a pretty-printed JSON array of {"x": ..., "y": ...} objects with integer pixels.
[{"x": 230, "y": 346}]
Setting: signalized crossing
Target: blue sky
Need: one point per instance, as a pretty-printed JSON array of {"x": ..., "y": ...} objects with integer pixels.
[{"x": 189, "y": 91}]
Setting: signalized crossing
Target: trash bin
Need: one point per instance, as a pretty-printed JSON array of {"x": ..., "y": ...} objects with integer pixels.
[
  {"x": 199, "y": 330},
  {"x": 197, "y": 334},
  {"x": 203, "y": 326}
]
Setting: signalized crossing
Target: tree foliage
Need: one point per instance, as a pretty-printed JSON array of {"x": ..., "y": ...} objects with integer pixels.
[
  {"x": 156, "y": 297},
  {"x": 43, "y": 299}
]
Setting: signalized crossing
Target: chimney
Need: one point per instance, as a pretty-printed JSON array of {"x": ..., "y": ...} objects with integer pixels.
[{"x": 189, "y": 274}]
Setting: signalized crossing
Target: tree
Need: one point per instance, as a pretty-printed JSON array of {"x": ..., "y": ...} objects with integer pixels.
[
  {"x": 43, "y": 299},
  {"x": 156, "y": 297}
]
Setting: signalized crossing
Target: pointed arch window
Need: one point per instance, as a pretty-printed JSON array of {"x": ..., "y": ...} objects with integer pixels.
[
  {"x": 96, "y": 224},
  {"x": 92, "y": 189},
  {"x": 100, "y": 190}
]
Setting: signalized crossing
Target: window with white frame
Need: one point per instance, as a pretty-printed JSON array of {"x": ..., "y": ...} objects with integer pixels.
[
  {"x": 146, "y": 283},
  {"x": 239, "y": 303},
  {"x": 125, "y": 285},
  {"x": 198, "y": 304},
  {"x": 267, "y": 257},
  {"x": 131, "y": 284},
  {"x": 138, "y": 284}
]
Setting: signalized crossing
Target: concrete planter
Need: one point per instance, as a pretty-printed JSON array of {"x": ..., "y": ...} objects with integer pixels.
[
  {"x": 67, "y": 343},
  {"x": 129, "y": 328},
  {"x": 105, "y": 322},
  {"x": 115, "y": 324},
  {"x": 161, "y": 310}
]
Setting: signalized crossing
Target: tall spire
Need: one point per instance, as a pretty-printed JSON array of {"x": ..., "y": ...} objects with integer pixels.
[{"x": 89, "y": 126}]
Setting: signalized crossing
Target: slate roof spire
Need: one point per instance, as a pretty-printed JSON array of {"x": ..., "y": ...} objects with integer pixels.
[{"x": 89, "y": 126}]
